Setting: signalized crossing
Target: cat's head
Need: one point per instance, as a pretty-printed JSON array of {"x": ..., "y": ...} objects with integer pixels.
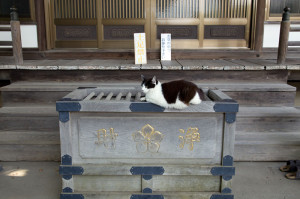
[{"x": 148, "y": 84}]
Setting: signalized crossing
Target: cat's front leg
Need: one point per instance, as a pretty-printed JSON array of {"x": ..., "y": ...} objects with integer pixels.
[{"x": 143, "y": 99}]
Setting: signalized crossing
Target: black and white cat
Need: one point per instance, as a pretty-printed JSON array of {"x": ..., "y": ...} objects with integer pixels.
[{"x": 175, "y": 94}]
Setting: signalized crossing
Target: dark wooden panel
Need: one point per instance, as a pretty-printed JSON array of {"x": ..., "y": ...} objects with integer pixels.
[
  {"x": 178, "y": 32},
  {"x": 76, "y": 33},
  {"x": 5, "y": 28},
  {"x": 276, "y": 6},
  {"x": 294, "y": 43},
  {"x": 224, "y": 32},
  {"x": 134, "y": 76},
  {"x": 5, "y": 43},
  {"x": 121, "y": 32},
  {"x": 22, "y": 6},
  {"x": 294, "y": 76},
  {"x": 76, "y": 44}
]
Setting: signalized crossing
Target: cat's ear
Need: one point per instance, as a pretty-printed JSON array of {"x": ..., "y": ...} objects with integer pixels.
[
  {"x": 142, "y": 77},
  {"x": 154, "y": 80}
]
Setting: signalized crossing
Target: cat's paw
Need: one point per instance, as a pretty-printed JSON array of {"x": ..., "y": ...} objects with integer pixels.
[{"x": 143, "y": 99}]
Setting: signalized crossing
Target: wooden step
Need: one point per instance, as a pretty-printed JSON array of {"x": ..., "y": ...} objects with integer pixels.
[
  {"x": 267, "y": 134},
  {"x": 251, "y": 94},
  {"x": 31, "y": 153},
  {"x": 27, "y": 145},
  {"x": 29, "y": 133},
  {"x": 262, "y": 134},
  {"x": 268, "y": 119},
  {"x": 38, "y": 118},
  {"x": 29, "y": 137}
]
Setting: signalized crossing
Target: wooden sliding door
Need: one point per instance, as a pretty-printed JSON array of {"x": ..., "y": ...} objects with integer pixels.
[
  {"x": 227, "y": 23},
  {"x": 118, "y": 20},
  {"x": 111, "y": 24},
  {"x": 75, "y": 23},
  {"x": 182, "y": 18}
]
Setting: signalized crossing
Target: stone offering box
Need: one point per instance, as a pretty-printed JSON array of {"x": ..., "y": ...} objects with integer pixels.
[{"x": 115, "y": 147}]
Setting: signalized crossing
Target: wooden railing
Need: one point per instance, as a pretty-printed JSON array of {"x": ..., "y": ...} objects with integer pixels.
[
  {"x": 284, "y": 42},
  {"x": 126, "y": 9},
  {"x": 16, "y": 42},
  {"x": 75, "y": 9},
  {"x": 177, "y": 9},
  {"x": 212, "y": 8},
  {"x": 226, "y": 8}
]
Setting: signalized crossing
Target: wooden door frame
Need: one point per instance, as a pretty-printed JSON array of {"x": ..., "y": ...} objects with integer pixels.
[
  {"x": 41, "y": 26},
  {"x": 49, "y": 23}
]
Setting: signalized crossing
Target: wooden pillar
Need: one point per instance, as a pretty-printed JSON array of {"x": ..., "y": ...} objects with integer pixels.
[
  {"x": 259, "y": 30},
  {"x": 284, "y": 36},
  {"x": 41, "y": 26},
  {"x": 16, "y": 36}
]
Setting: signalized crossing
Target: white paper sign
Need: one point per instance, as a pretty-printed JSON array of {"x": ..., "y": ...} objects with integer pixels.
[
  {"x": 140, "y": 48},
  {"x": 165, "y": 46}
]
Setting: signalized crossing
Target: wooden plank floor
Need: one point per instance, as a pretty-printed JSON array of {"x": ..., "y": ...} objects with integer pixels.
[{"x": 100, "y": 64}]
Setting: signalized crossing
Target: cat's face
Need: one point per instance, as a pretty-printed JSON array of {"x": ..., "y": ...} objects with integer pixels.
[{"x": 148, "y": 84}]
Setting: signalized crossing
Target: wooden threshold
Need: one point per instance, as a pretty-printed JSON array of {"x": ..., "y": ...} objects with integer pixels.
[{"x": 32, "y": 54}]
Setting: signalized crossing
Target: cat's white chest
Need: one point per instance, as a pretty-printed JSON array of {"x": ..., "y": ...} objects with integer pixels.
[{"x": 156, "y": 96}]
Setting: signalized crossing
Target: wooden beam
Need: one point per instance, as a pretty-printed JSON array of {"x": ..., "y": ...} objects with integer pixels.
[
  {"x": 16, "y": 41},
  {"x": 284, "y": 36},
  {"x": 259, "y": 30},
  {"x": 41, "y": 26},
  {"x": 295, "y": 29},
  {"x": 5, "y": 43},
  {"x": 294, "y": 43},
  {"x": 5, "y": 29}
]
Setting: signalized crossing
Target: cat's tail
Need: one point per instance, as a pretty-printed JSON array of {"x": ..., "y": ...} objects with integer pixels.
[{"x": 201, "y": 94}]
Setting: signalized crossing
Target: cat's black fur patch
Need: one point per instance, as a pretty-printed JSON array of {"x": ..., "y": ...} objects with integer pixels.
[{"x": 183, "y": 89}]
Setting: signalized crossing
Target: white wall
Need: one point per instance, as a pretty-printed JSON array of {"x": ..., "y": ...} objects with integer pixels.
[
  {"x": 28, "y": 35},
  {"x": 271, "y": 35}
]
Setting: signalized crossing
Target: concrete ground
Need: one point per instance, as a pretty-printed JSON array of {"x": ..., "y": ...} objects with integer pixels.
[{"x": 40, "y": 180}]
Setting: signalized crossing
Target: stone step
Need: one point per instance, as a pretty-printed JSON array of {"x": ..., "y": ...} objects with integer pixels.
[
  {"x": 267, "y": 134},
  {"x": 251, "y": 94}
]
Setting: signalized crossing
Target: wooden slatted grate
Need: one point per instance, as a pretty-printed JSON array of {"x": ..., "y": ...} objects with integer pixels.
[{"x": 132, "y": 96}]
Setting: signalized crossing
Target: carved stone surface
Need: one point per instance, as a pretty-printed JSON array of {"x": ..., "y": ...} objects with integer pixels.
[
  {"x": 224, "y": 32},
  {"x": 121, "y": 32},
  {"x": 76, "y": 32},
  {"x": 178, "y": 32},
  {"x": 137, "y": 140}
]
